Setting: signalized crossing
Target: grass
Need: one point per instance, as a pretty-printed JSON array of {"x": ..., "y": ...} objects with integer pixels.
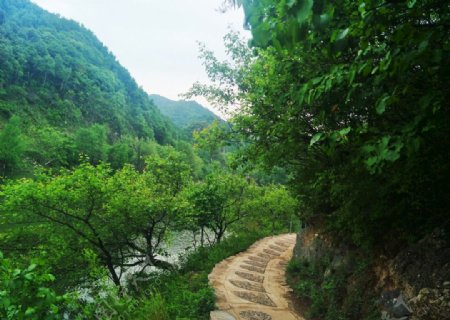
[{"x": 343, "y": 294}]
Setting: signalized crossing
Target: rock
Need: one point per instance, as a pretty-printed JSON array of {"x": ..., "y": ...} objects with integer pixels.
[
  {"x": 400, "y": 308},
  {"x": 388, "y": 298},
  {"x": 431, "y": 304},
  {"x": 221, "y": 315},
  {"x": 394, "y": 305},
  {"x": 309, "y": 247},
  {"x": 255, "y": 315},
  {"x": 386, "y": 316}
]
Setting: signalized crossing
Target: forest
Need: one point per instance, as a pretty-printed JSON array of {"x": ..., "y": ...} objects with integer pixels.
[{"x": 338, "y": 122}]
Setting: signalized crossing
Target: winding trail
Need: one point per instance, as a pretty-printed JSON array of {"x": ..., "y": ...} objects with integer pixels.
[{"x": 251, "y": 285}]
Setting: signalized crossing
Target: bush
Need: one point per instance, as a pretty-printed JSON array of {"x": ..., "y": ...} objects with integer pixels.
[
  {"x": 24, "y": 293},
  {"x": 186, "y": 292},
  {"x": 154, "y": 308},
  {"x": 339, "y": 294},
  {"x": 179, "y": 294}
]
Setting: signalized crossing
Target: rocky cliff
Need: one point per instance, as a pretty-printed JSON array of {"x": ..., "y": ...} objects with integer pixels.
[{"x": 413, "y": 284}]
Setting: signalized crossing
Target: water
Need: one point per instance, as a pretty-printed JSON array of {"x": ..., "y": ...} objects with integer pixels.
[{"x": 177, "y": 245}]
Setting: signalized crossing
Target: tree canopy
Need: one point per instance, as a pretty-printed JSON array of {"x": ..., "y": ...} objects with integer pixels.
[
  {"x": 54, "y": 73},
  {"x": 351, "y": 98}
]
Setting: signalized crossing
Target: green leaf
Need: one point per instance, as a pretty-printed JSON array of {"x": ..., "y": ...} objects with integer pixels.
[
  {"x": 423, "y": 45},
  {"x": 29, "y": 276},
  {"x": 342, "y": 34},
  {"x": 392, "y": 156},
  {"x": 315, "y": 138},
  {"x": 371, "y": 161},
  {"x": 381, "y": 105},
  {"x": 352, "y": 75},
  {"x": 291, "y": 3},
  {"x": 345, "y": 131},
  {"x": 411, "y": 3},
  {"x": 30, "y": 311},
  {"x": 384, "y": 142},
  {"x": 5, "y": 300},
  {"x": 362, "y": 8},
  {"x": 316, "y": 80},
  {"x": 304, "y": 11},
  {"x": 31, "y": 267}
]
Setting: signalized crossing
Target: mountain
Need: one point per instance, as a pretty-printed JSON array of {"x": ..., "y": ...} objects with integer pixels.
[
  {"x": 185, "y": 114},
  {"x": 55, "y": 72}
]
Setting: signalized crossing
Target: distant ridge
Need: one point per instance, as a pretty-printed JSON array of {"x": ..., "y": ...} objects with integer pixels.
[{"x": 185, "y": 114}]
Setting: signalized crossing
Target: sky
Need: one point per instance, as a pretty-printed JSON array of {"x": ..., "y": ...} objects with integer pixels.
[{"x": 156, "y": 40}]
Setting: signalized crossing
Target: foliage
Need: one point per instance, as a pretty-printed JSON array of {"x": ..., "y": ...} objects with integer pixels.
[
  {"x": 50, "y": 147},
  {"x": 12, "y": 147},
  {"x": 187, "y": 292},
  {"x": 210, "y": 141},
  {"x": 73, "y": 202},
  {"x": 327, "y": 292},
  {"x": 24, "y": 293},
  {"x": 91, "y": 142},
  {"x": 56, "y": 74},
  {"x": 120, "y": 216},
  {"x": 229, "y": 75},
  {"x": 350, "y": 99},
  {"x": 277, "y": 210},
  {"x": 220, "y": 201}
]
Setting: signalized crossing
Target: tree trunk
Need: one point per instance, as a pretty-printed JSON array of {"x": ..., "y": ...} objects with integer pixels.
[
  {"x": 219, "y": 235},
  {"x": 202, "y": 239},
  {"x": 112, "y": 272}
]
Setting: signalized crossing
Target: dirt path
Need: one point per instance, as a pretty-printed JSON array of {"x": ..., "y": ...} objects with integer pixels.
[{"x": 251, "y": 285}]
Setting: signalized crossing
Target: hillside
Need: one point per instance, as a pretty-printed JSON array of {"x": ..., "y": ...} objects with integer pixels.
[
  {"x": 55, "y": 72},
  {"x": 184, "y": 114},
  {"x": 336, "y": 139}
]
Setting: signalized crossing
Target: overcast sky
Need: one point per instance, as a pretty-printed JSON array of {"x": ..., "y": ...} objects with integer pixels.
[{"x": 156, "y": 40}]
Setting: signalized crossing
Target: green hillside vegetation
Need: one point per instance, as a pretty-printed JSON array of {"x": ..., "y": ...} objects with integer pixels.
[
  {"x": 363, "y": 133},
  {"x": 65, "y": 88},
  {"x": 188, "y": 115},
  {"x": 95, "y": 182},
  {"x": 351, "y": 99},
  {"x": 339, "y": 126}
]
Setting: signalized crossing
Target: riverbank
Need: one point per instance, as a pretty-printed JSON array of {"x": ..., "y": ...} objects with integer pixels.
[{"x": 185, "y": 293}]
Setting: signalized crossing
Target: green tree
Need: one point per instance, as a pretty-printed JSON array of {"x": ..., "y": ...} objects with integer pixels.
[
  {"x": 219, "y": 202},
  {"x": 191, "y": 157},
  {"x": 349, "y": 99},
  {"x": 25, "y": 293},
  {"x": 51, "y": 148},
  {"x": 92, "y": 143},
  {"x": 122, "y": 217},
  {"x": 211, "y": 141},
  {"x": 151, "y": 205},
  {"x": 274, "y": 208},
  {"x": 120, "y": 153},
  {"x": 55, "y": 73},
  {"x": 12, "y": 147}
]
